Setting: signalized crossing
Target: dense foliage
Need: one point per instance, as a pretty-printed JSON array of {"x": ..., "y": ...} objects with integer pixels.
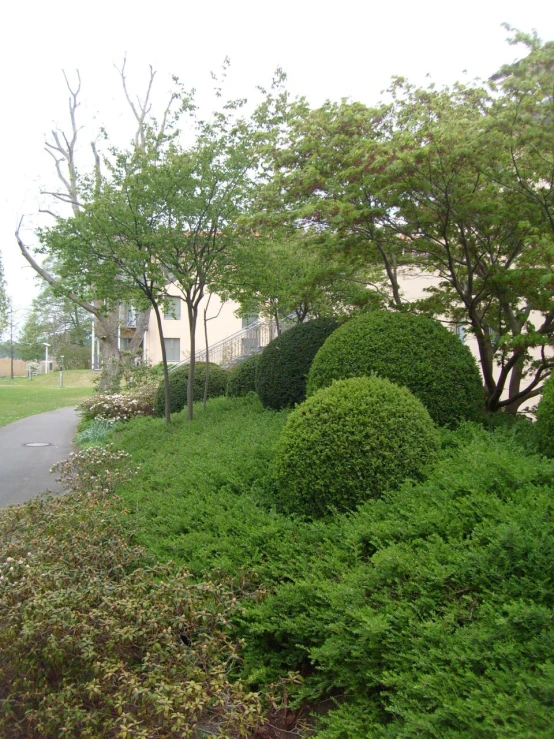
[
  {"x": 428, "y": 611},
  {"x": 285, "y": 363},
  {"x": 349, "y": 442},
  {"x": 98, "y": 640},
  {"x": 242, "y": 377},
  {"x": 410, "y": 350},
  {"x": 178, "y": 379},
  {"x": 451, "y": 187},
  {"x": 545, "y": 419},
  {"x": 440, "y": 621}
]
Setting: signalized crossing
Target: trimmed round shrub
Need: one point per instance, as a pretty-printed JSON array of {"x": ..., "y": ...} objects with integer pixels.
[
  {"x": 349, "y": 442},
  {"x": 545, "y": 419},
  {"x": 242, "y": 377},
  {"x": 415, "y": 351},
  {"x": 285, "y": 362},
  {"x": 178, "y": 380}
]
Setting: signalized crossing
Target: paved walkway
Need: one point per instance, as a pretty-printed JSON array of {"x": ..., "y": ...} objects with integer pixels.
[{"x": 24, "y": 470}]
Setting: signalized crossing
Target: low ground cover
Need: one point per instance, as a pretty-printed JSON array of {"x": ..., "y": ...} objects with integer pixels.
[
  {"x": 96, "y": 638},
  {"x": 22, "y": 397},
  {"x": 427, "y": 612}
]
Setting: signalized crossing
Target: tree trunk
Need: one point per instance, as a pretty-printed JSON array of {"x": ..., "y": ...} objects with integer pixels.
[
  {"x": 164, "y": 361},
  {"x": 207, "y": 379},
  {"x": 514, "y": 387},
  {"x": 193, "y": 317},
  {"x": 106, "y": 331}
]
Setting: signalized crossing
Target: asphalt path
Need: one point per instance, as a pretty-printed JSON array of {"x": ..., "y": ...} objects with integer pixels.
[{"x": 25, "y": 470}]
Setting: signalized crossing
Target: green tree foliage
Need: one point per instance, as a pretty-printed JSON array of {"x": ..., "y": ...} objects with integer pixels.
[
  {"x": 285, "y": 363},
  {"x": 411, "y": 350},
  {"x": 350, "y": 442},
  {"x": 178, "y": 384},
  {"x": 545, "y": 419},
  {"x": 283, "y": 276},
  {"x": 242, "y": 377},
  {"x": 455, "y": 184},
  {"x": 60, "y": 322},
  {"x": 3, "y": 301}
]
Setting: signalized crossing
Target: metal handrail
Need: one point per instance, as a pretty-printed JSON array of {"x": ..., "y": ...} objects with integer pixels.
[{"x": 238, "y": 346}]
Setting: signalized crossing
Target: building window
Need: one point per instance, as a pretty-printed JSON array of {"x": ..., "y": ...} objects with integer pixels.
[
  {"x": 172, "y": 309},
  {"x": 124, "y": 343},
  {"x": 173, "y": 349},
  {"x": 460, "y": 331},
  {"x": 250, "y": 319}
]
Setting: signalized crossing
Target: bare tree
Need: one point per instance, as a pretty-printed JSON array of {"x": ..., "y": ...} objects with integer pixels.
[{"x": 61, "y": 148}]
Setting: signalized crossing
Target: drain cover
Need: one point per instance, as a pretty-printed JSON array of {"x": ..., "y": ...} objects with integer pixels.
[{"x": 38, "y": 443}]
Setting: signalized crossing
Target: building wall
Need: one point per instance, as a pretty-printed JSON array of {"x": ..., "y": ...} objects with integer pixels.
[{"x": 223, "y": 322}]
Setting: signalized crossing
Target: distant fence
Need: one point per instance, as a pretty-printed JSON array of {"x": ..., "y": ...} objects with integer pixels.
[{"x": 19, "y": 367}]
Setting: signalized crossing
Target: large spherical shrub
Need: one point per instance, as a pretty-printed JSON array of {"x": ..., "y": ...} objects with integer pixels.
[
  {"x": 415, "y": 351},
  {"x": 242, "y": 377},
  {"x": 285, "y": 363},
  {"x": 349, "y": 442},
  {"x": 178, "y": 380},
  {"x": 545, "y": 419}
]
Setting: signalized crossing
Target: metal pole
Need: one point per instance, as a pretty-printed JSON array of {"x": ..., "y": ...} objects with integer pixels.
[{"x": 61, "y": 370}]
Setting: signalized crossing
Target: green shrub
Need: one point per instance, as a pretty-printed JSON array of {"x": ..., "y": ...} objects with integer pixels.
[
  {"x": 95, "y": 431},
  {"x": 545, "y": 419},
  {"x": 285, "y": 363},
  {"x": 411, "y": 350},
  {"x": 242, "y": 377},
  {"x": 440, "y": 622},
  {"x": 349, "y": 442},
  {"x": 178, "y": 380}
]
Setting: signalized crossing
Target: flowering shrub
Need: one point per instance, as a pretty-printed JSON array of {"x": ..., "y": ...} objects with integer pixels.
[
  {"x": 96, "y": 639},
  {"x": 120, "y": 406},
  {"x": 95, "y": 469}
]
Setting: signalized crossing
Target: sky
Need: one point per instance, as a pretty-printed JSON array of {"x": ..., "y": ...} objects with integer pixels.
[{"x": 328, "y": 50}]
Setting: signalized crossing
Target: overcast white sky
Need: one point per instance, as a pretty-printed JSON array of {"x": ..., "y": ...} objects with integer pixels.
[{"x": 328, "y": 49}]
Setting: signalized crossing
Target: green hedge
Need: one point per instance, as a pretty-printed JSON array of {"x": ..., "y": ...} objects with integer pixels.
[
  {"x": 415, "y": 351},
  {"x": 285, "y": 363},
  {"x": 349, "y": 442},
  {"x": 178, "y": 380},
  {"x": 242, "y": 377},
  {"x": 430, "y": 610},
  {"x": 545, "y": 419}
]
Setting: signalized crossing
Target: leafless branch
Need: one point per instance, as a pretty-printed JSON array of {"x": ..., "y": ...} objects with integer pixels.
[
  {"x": 62, "y": 149},
  {"x": 142, "y": 109},
  {"x": 51, "y": 280}
]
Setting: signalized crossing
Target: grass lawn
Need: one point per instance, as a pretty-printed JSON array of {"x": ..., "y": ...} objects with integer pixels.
[{"x": 21, "y": 397}]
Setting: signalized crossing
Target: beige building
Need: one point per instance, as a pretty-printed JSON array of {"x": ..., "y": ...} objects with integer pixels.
[{"x": 229, "y": 337}]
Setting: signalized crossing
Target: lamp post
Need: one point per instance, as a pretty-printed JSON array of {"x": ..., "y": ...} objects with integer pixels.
[
  {"x": 61, "y": 370},
  {"x": 46, "y": 345}
]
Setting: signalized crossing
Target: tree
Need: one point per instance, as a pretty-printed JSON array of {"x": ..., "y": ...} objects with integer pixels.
[
  {"x": 9, "y": 333},
  {"x": 111, "y": 247},
  {"x": 62, "y": 323},
  {"x": 73, "y": 193},
  {"x": 294, "y": 277},
  {"x": 206, "y": 187},
  {"x": 436, "y": 182},
  {"x": 4, "y": 303}
]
